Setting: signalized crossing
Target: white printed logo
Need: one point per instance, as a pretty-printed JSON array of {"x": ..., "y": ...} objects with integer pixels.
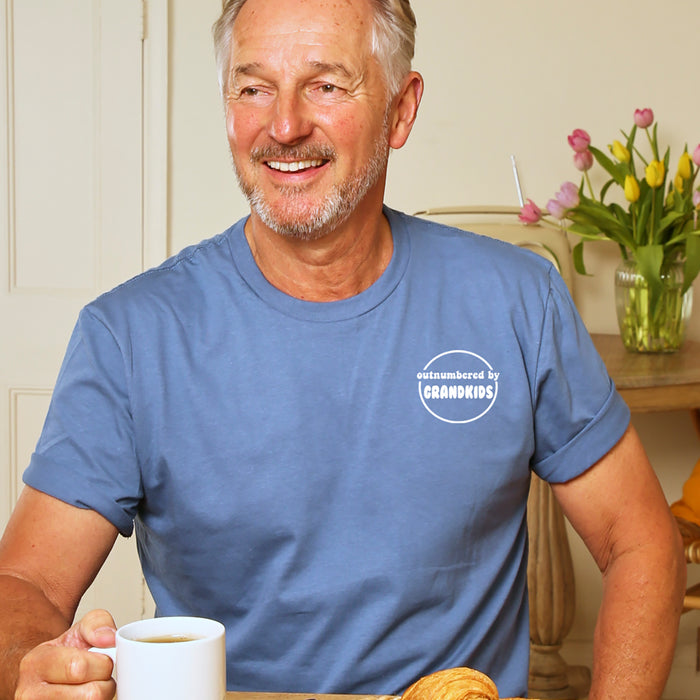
[{"x": 458, "y": 386}]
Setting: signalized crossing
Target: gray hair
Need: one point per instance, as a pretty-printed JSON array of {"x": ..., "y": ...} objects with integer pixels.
[{"x": 393, "y": 39}]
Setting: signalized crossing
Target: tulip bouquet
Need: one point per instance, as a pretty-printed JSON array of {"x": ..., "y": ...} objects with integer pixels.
[{"x": 654, "y": 222}]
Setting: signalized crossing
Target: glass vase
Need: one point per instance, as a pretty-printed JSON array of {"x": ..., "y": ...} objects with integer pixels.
[{"x": 647, "y": 329}]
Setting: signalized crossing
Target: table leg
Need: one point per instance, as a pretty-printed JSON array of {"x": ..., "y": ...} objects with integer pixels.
[{"x": 550, "y": 578}]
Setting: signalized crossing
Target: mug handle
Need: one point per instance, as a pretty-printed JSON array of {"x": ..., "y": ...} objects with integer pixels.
[{"x": 107, "y": 651}]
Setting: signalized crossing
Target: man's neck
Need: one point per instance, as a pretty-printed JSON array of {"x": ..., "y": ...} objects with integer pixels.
[{"x": 338, "y": 265}]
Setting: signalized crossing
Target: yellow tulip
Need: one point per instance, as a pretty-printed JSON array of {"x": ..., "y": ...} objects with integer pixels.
[
  {"x": 678, "y": 183},
  {"x": 685, "y": 167},
  {"x": 655, "y": 174},
  {"x": 620, "y": 152},
  {"x": 631, "y": 188}
]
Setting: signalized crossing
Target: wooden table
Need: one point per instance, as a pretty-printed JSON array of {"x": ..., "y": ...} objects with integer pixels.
[{"x": 653, "y": 382}]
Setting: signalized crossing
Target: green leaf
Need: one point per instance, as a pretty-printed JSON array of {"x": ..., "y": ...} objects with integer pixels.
[
  {"x": 669, "y": 220},
  {"x": 654, "y": 141},
  {"x": 657, "y": 211},
  {"x": 621, "y": 214},
  {"x": 577, "y": 255},
  {"x": 630, "y": 138},
  {"x": 644, "y": 203},
  {"x": 667, "y": 157},
  {"x": 590, "y": 233},
  {"x": 605, "y": 188},
  {"x": 616, "y": 170},
  {"x": 605, "y": 221},
  {"x": 649, "y": 260},
  {"x": 596, "y": 213},
  {"x": 691, "y": 267}
]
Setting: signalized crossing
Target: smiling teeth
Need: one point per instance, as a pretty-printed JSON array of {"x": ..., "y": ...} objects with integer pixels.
[{"x": 294, "y": 167}]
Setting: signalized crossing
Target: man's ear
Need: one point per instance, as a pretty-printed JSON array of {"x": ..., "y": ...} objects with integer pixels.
[{"x": 405, "y": 109}]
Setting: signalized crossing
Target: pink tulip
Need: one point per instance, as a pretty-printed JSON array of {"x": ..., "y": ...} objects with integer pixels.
[
  {"x": 530, "y": 213},
  {"x": 696, "y": 155},
  {"x": 556, "y": 208},
  {"x": 579, "y": 140},
  {"x": 568, "y": 195},
  {"x": 643, "y": 118},
  {"x": 696, "y": 199},
  {"x": 583, "y": 160}
]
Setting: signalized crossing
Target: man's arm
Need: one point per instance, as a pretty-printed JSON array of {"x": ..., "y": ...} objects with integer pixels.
[
  {"x": 49, "y": 555},
  {"x": 621, "y": 513}
]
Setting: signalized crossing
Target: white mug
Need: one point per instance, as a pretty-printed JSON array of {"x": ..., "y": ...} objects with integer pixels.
[{"x": 178, "y": 658}]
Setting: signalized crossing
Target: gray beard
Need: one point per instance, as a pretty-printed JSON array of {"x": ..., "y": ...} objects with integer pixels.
[{"x": 314, "y": 221}]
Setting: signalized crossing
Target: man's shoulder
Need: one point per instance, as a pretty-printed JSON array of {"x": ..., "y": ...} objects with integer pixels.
[
  {"x": 192, "y": 261},
  {"x": 436, "y": 239},
  {"x": 179, "y": 280}
]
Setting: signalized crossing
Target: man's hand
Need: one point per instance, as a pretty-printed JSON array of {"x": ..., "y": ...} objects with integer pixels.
[{"x": 64, "y": 668}]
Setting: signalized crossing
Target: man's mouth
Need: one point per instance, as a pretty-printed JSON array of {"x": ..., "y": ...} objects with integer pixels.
[{"x": 294, "y": 166}]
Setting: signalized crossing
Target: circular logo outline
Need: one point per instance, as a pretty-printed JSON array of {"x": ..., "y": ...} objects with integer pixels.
[{"x": 448, "y": 420}]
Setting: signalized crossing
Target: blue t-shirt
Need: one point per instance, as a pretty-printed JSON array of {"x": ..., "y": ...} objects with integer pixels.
[{"x": 342, "y": 484}]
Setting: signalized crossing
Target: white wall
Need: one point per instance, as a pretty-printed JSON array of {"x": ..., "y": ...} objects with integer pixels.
[{"x": 502, "y": 78}]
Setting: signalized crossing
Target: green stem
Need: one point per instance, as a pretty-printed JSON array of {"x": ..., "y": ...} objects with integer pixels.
[
  {"x": 590, "y": 187},
  {"x": 641, "y": 157},
  {"x": 650, "y": 328},
  {"x": 559, "y": 226},
  {"x": 654, "y": 149}
]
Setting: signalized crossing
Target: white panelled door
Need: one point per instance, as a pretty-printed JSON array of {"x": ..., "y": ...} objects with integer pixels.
[{"x": 71, "y": 213}]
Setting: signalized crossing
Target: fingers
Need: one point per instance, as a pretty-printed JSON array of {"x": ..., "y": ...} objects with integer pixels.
[
  {"x": 96, "y": 629},
  {"x": 64, "y": 668},
  {"x": 51, "y": 671},
  {"x": 67, "y": 665},
  {"x": 91, "y": 691}
]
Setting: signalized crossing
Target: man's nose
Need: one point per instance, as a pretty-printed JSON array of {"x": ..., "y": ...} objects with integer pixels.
[{"x": 290, "y": 120}]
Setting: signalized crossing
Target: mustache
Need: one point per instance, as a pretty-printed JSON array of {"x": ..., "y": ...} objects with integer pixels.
[{"x": 281, "y": 152}]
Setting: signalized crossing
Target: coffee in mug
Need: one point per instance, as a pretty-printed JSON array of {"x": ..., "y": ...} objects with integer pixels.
[{"x": 169, "y": 638}]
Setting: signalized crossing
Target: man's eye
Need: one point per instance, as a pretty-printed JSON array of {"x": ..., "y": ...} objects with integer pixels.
[
  {"x": 250, "y": 91},
  {"x": 329, "y": 89}
]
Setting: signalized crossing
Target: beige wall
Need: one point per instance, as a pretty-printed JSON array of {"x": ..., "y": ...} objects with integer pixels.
[{"x": 502, "y": 78}]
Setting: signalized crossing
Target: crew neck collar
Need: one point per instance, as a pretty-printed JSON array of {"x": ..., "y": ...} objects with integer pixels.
[{"x": 329, "y": 310}]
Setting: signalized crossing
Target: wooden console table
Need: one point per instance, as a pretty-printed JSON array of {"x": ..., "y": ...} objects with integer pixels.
[
  {"x": 653, "y": 382},
  {"x": 647, "y": 382}
]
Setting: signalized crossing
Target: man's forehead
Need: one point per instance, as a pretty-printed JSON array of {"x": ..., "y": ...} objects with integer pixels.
[
  {"x": 305, "y": 32},
  {"x": 305, "y": 16}
]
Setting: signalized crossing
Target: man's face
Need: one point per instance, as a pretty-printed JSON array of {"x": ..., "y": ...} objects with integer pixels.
[{"x": 307, "y": 113}]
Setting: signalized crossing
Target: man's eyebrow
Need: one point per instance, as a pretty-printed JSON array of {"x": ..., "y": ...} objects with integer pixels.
[
  {"x": 245, "y": 69},
  {"x": 336, "y": 67},
  {"x": 254, "y": 68}
]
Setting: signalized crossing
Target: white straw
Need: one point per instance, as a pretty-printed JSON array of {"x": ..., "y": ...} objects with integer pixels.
[{"x": 517, "y": 181}]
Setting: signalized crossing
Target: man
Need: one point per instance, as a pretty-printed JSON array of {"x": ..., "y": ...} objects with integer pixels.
[{"x": 322, "y": 421}]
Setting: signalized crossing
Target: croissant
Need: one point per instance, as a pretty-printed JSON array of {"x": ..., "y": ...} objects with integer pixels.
[{"x": 453, "y": 684}]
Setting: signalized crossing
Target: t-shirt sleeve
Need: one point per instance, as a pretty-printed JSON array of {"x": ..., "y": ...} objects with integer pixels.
[
  {"x": 86, "y": 455},
  {"x": 579, "y": 415}
]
